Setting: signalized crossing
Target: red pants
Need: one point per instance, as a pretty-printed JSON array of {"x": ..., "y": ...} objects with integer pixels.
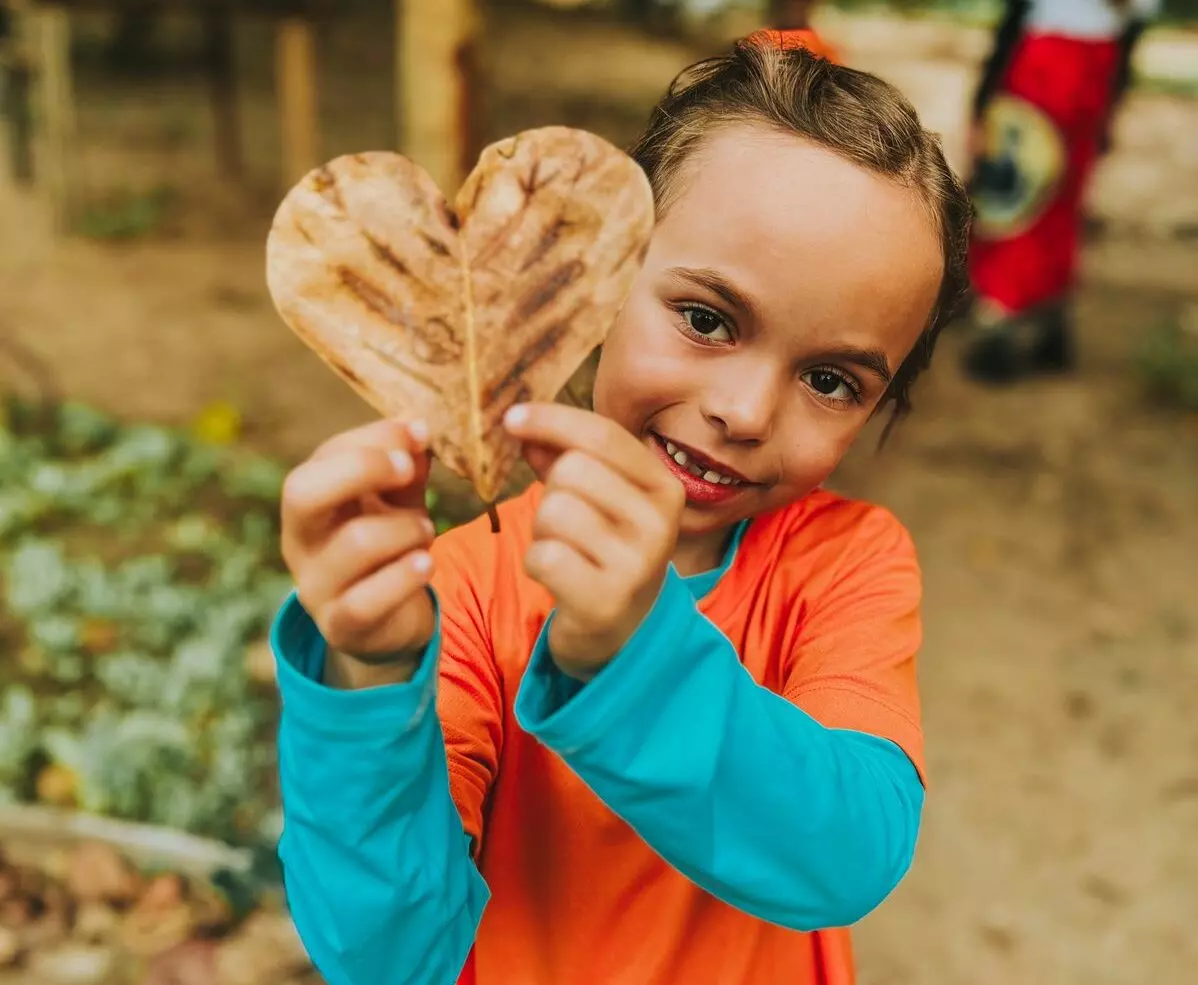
[{"x": 1044, "y": 128}]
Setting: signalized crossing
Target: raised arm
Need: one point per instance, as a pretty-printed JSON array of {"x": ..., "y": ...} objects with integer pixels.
[
  {"x": 377, "y": 836},
  {"x": 802, "y": 808},
  {"x": 376, "y": 862}
]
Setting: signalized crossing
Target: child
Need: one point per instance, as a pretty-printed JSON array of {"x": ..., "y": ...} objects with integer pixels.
[
  {"x": 1042, "y": 117},
  {"x": 676, "y": 736}
]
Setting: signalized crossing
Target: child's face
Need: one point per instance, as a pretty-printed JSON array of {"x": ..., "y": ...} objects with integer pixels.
[{"x": 782, "y": 289}]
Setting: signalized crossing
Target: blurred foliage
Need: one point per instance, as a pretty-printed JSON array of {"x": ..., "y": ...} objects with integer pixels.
[
  {"x": 139, "y": 566},
  {"x": 988, "y": 10},
  {"x": 1184, "y": 10},
  {"x": 1168, "y": 361},
  {"x": 126, "y": 215},
  {"x": 1181, "y": 10},
  {"x": 140, "y": 575},
  {"x": 1168, "y": 86}
]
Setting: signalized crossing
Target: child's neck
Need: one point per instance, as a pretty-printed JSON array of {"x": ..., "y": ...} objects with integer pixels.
[{"x": 697, "y": 553}]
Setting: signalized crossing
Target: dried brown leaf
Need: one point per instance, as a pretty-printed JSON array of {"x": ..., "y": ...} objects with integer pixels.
[{"x": 454, "y": 315}]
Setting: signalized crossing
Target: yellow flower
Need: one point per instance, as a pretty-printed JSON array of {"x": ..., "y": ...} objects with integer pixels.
[
  {"x": 218, "y": 424},
  {"x": 57, "y": 786}
]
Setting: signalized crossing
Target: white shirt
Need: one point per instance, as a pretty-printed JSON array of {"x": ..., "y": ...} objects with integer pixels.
[{"x": 1091, "y": 20}]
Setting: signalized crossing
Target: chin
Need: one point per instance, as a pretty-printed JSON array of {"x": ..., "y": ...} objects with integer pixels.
[{"x": 697, "y": 520}]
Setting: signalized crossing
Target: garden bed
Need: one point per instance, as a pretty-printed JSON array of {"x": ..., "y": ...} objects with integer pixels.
[
  {"x": 138, "y": 805},
  {"x": 139, "y": 579}
]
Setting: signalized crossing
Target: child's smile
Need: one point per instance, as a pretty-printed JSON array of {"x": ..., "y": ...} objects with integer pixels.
[{"x": 707, "y": 480}]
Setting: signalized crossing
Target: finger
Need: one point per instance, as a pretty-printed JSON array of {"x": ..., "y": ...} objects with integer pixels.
[
  {"x": 314, "y": 491},
  {"x": 628, "y": 506},
  {"x": 556, "y": 427},
  {"x": 565, "y": 516},
  {"x": 388, "y": 433},
  {"x": 363, "y": 546},
  {"x": 575, "y": 582},
  {"x": 358, "y": 619}
]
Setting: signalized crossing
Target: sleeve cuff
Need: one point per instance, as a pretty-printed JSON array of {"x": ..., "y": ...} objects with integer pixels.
[
  {"x": 566, "y": 714},
  {"x": 300, "y": 649}
]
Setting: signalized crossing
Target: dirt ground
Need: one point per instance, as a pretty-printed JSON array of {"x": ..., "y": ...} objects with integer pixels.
[{"x": 1057, "y": 523}]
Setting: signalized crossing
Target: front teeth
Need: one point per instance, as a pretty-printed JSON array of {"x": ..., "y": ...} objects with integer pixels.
[{"x": 683, "y": 459}]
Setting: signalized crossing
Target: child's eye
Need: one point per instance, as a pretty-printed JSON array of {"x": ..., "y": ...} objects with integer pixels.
[
  {"x": 833, "y": 385},
  {"x": 705, "y": 323}
]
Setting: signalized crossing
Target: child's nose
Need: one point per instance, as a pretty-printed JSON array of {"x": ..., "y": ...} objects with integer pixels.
[{"x": 743, "y": 407}]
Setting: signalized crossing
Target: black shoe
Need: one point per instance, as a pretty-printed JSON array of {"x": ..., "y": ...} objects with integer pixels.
[
  {"x": 992, "y": 357},
  {"x": 1052, "y": 350},
  {"x": 1011, "y": 349}
]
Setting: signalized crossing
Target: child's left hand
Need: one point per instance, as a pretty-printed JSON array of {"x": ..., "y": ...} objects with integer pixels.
[{"x": 604, "y": 532}]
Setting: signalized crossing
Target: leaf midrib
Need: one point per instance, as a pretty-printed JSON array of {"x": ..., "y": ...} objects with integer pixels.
[{"x": 473, "y": 386}]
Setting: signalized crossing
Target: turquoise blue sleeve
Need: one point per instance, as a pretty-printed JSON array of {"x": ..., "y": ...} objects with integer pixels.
[
  {"x": 376, "y": 865},
  {"x": 736, "y": 787}
]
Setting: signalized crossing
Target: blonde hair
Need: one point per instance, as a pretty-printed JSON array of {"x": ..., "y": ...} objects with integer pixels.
[{"x": 854, "y": 114}]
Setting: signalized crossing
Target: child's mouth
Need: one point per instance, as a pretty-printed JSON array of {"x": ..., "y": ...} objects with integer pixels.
[{"x": 701, "y": 478}]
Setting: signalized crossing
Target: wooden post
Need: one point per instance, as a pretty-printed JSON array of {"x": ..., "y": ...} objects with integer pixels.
[
  {"x": 18, "y": 84},
  {"x": 434, "y": 68},
  {"x": 222, "y": 87},
  {"x": 296, "y": 63},
  {"x": 16, "y": 87},
  {"x": 58, "y": 109}
]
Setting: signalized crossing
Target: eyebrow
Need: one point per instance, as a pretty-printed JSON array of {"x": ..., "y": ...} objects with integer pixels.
[
  {"x": 873, "y": 360},
  {"x": 717, "y": 283}
]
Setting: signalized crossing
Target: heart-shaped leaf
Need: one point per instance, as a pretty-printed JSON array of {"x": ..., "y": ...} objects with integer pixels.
[{"x": 452, "y": 315}]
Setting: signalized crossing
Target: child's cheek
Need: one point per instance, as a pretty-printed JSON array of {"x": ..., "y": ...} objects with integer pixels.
[
  {"x": 643, "y": 366},
  {"x": 813, "y": 446}
]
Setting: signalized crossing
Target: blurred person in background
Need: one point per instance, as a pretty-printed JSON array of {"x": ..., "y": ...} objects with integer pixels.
[{"x": 1042, "y": 117}]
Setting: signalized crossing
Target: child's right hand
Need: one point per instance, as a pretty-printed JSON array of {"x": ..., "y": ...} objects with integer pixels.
[{"x": 355, "y": 533}]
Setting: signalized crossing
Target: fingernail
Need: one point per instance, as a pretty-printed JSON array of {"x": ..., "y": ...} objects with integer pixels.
[
  {"x": 419, "y": 432},
  {"x": 516, "y": 416},
  {"x": 422, "y": 563},
  {"x": 401, "y": 461},
  {"x": 430, "y": 528}
]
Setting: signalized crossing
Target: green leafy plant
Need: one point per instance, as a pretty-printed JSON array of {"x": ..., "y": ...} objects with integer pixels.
[
  {"x": 128, "y": 215},
  {"x": 139, "y": 567},
  {"x": 1168, "y": 362},
  {"x": 139, "y": 573}
]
